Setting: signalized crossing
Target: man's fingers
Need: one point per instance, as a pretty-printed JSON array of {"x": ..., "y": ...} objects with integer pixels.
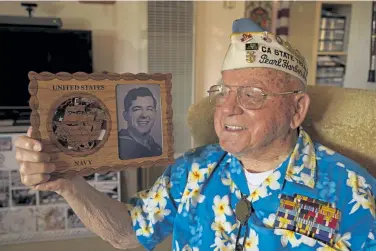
[
  {"x": 29, "y": 168},
  {"x": 34, "y": 179},
  {"x": 27, "y": 143},
  {"x": 23, "y": 155}
]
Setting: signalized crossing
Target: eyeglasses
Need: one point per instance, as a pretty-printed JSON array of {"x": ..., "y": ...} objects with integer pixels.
[{"x": 249, "y": 97}]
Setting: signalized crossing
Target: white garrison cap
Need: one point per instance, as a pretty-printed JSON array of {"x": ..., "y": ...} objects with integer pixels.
[{"x": 252, "y": 47}]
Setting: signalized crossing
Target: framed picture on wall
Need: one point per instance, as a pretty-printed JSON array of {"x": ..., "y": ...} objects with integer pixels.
[
  {"x": 273, "y": 16},
  {"x": 100, "y": 122},
  {"x": 262, "y": 12}
]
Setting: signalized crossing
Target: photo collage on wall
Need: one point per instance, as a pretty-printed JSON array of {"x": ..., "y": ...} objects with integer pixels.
[{"x": 29, "y": 216}]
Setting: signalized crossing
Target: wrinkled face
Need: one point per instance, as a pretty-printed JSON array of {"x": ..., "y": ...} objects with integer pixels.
[
  {"x": 242, "y": 131},
  {"x": 141, "y": 115}
]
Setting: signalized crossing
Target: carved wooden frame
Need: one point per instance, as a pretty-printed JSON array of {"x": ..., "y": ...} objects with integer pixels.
[{"x": 105, "y": 157}]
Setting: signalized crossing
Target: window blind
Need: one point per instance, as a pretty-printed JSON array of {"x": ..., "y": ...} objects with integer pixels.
[
  {"x": 170, "y": 39},
  {"x": 170, "y": 50}
]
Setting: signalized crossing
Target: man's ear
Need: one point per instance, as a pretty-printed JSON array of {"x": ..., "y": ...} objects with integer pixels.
[
  {"x": 125, "y": 115},
  {"x": 300, "y": 105}
]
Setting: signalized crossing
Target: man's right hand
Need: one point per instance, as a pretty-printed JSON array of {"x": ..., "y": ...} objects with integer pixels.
[
  {"x": 35, "y": 166},
  {"x": 86, "y": 201}
]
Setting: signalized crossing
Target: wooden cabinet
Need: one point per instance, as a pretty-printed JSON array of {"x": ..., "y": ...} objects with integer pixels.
[{"x": 320, "y": 31}]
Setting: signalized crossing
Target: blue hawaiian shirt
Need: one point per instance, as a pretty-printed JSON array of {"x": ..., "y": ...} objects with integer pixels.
[{"x": 195, "y": 201}]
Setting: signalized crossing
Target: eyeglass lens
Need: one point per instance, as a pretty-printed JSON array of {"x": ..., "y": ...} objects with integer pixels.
[{"x": 249, "y": 97}]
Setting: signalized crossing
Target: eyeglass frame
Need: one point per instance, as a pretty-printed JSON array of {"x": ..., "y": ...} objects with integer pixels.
[{"x": 263, "y": 94}]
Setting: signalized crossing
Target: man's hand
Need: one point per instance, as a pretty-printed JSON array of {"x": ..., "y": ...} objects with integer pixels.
[
  {"x": 35, "y": 166},
  {"x": 104, "y": 216}
]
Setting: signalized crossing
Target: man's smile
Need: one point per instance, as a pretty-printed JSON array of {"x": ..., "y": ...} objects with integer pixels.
[
  {"x": 143, "y": 122},
  {"x": 234, "y": 128}
]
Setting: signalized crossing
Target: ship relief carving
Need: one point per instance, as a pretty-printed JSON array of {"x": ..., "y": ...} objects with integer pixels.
[{"x": 80, "y": 125}]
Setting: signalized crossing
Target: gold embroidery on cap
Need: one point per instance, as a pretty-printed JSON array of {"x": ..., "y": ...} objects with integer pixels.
[{"x": 251, "y": 57}]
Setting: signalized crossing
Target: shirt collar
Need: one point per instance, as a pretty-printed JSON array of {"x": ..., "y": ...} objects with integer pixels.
[
  {"x": 144, "y": 142},
  {"x": 299, "y": 167}
]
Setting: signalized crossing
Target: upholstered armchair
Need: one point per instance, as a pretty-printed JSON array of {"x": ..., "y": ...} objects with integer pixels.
[{"x": 343, "y": 119}]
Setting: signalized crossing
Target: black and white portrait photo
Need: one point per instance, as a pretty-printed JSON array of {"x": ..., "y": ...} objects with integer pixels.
[{"x": 139, "y": 121}]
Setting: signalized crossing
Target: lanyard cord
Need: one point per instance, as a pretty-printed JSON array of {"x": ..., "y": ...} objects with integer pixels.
[
  {"x": 243, "y": 221},
  {"x": 239, "y": 247}
]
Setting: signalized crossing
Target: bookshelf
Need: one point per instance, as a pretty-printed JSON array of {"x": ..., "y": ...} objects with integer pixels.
[{"x": 320, "y": 31}]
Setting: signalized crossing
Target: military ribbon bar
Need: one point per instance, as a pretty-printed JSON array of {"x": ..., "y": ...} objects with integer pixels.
[{"x": 311, "y": 217}]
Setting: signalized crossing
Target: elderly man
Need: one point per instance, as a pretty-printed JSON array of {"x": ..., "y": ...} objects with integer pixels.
[{"x": 265, "y": 186}]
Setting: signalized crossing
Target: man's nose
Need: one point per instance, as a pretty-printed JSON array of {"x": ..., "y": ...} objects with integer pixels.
[
  {"x": 143, "y": 114},
  {"x": 231, "y": 105}
]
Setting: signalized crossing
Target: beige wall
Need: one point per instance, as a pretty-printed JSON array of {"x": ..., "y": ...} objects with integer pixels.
[{"x": 213, "y": 29}]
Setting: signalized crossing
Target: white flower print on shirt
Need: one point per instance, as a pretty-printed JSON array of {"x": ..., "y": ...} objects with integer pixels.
[
  {"x": 145, "y": 229},
  {"x": 340, "y": 243},
  {"x": 269, "y": 222},
  {"x": 222, "y": 245},
  {"x": 196, "y": 174},
  {"x": 221, "y": 227},
  {"x": 361, "y": 193},
  {"x": 221, "y": 207},
  {"x": 136, "y": 214},
  {"x": 287, "y": 237},
  {"x": 260, "y": 192},
  {"x": 185, "y": 248},
  {"x": 158, "y": 197},
  {"x": 252, "y": 241},
  {"x": 192, "y": 193},
  {"x": 272, "y": 180},
  {"x": 326, "y": 150},
  {"x": 159, "y": 213},
  {"x": 227, "y": 181}
]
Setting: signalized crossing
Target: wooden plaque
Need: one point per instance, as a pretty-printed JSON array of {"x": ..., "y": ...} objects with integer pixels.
[{"x": 101, "y": 122}]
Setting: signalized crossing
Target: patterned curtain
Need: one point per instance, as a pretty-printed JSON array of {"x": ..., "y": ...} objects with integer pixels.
[{"x": 271, "y": 15}]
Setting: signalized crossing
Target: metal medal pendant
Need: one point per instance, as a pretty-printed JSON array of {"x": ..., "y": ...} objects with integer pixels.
[{"x": 243, "y": 210}]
